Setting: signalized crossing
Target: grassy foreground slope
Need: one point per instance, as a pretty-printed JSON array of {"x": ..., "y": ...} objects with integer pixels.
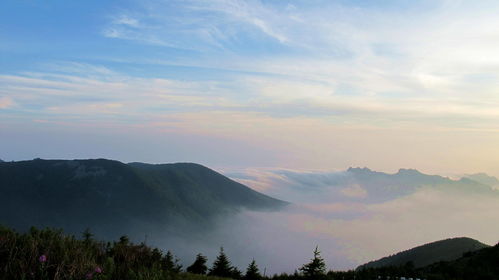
[{"x": 49, "y": 254}]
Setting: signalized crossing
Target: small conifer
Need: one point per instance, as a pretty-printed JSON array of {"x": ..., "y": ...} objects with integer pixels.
[
  {"x": 199, "y": 265},
  {"x": 221, "y": 266},
  {"x": 252, "y": 272},
  {"x": 316, "y": 268}
]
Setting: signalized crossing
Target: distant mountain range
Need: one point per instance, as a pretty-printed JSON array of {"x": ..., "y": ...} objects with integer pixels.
[
  {"x": 484, "y": 179},
  {"x": 360, "y": 184},
  {"x": 112, "y": 198},
  {"x": 382, "y": 186},
  {"x": 421, "y": 256}
]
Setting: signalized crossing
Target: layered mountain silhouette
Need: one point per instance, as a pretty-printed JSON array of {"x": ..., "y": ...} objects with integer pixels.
[
  {"x": 484, "y": 179},
  {"x": 365, "y": 185},
  {"x": 112, "y": 198},
  {"x": 480, "y": 264},
  {"x": 382, "y": 186},
  {"x": 421, "y": 256}
]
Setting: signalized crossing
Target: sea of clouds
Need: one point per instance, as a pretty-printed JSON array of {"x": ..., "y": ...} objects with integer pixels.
[{"x": 353, "y": 216}]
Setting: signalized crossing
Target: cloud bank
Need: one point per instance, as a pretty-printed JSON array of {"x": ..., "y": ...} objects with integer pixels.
[{"x": 355, "y": 226}]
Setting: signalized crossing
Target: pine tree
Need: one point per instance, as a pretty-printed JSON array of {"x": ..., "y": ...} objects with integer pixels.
[
  {"x": 236, "y": 273},
  {"x": 222, "y": 266},
  {"x": 87, "y": 235},
  {"x": 199, "y": 265},
  {"x": 170, "y": 264},
  {"x": 252, "y": 272},
  {"x": 124, "y": 240},
  {"x": 316, "y": 268}
]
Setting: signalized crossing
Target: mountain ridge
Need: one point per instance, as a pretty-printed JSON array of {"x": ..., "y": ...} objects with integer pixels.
[
  {"x": 109, "y": 196},
  {"x": 449, "y": 249}
]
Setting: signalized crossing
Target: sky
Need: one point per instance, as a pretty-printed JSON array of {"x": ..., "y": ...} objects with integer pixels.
[{"x": 315, "y": 85}]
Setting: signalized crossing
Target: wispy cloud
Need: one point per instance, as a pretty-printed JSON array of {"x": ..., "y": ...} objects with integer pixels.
[
  {"x": 298, "y": 120},
  {"x": 176, "y": 23},
  {"x": 402, "y": 82},
  {"x": 252, "y": 13},
  {"x": 81, "y": 89},
  {"x": 126, "y": 20},
  {"x": 266, "y": 96},
  {"x": 6, "y": 102},
  {"x": 341, "y": 55}
]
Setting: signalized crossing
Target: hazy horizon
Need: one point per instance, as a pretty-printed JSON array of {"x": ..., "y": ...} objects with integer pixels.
[{"x": 229, "y": 169}]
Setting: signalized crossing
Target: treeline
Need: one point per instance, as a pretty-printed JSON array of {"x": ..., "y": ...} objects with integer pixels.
[{"x": 49, "y": 254}]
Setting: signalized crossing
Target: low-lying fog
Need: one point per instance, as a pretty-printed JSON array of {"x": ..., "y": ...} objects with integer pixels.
[{"x": 353, "y": 216}]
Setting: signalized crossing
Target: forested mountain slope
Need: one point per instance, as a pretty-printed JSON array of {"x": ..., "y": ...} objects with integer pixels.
[{"x": 109, "y": 196}]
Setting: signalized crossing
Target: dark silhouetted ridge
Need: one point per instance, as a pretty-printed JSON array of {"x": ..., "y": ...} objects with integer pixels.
[
  {"x": 109, "y": 196},
  {"x": 443, "y": 250}
]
